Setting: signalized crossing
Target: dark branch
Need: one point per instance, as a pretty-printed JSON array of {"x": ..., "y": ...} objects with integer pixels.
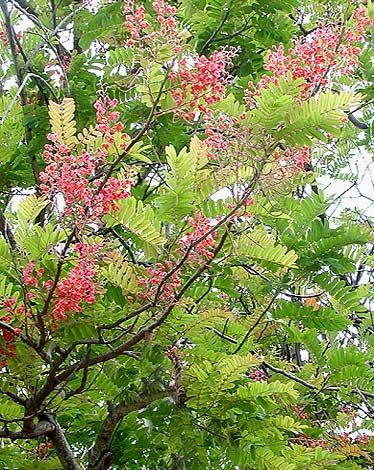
[
  {"x": 20, "y": 77},
  {"x": 43, "y": 428},
  {"x": 100, "y": 452},
  {"x": 216, "y": 31},
  {"x": 62, "y": 447},
  {"x": 27, "y": 7},
  {"x": 13, "y": 396},
  {"x": 359, "y": 124}
]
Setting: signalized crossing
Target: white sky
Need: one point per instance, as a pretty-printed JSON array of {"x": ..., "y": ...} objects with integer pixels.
[{"x": 359, "y": 196}]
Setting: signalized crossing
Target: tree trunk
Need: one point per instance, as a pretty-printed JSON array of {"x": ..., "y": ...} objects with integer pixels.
[{"x": 62, "y": 447}]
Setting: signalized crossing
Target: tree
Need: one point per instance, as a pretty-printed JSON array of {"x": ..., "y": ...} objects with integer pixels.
[{"x": 174, "y": 291}]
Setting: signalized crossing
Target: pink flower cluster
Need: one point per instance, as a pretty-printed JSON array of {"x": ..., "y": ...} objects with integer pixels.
[
  {"x": 8, "y": 349},
  {"x": 135, "y": 22},
  {"x": 168, "y": 23},
  {"x": 200, "y": 81},
  {"x": 30, "y": 277},
  {"x": 108, "y": 123},
  {"x": 218, "y": 131},
  {"x": 321, "y": 55},
  {"x": 294, "y": 158},
  {"x": 257, "y": 376},
  {"x": 287, "y": 162},
  {"x": 31, "y": 281},
  {"x": 203, "y": 250},
  {"x": 362, "y": 22},
  {"x": 226, "y": 135},
  {"x": 363, "y": 439},
  {"x": 157, "y": 274},
  {"x": 341, "y": 440},
  {"x": 78, "y": 286},
  {"x": 74, "y": 176},
  {"x": 8, "y": 346},
  {"x": 346, "y": 439},
  {"x": 9, "y": 305},
  {"x": 246, "y": 213},
  {"x": 300, "y": 412},
  {"x": 3, "y": 35},
  {"x": 139, "y": 28}
]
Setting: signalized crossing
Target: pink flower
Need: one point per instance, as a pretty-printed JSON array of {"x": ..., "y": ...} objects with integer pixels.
[
  {"x": 73, "y": 175},
  {"x": 62, "y": 148},
  {"x": 201, "y": 82},
  {"x": 28, "y": 277},
  {"x": 78, "y": 286},
  {"x": 157, "y": 274},
  {"x": 258, "y": 376},
  {"x": 113, "y": 103},
  {"x": 113, "y": 115},
  {"x": 48, "y": 284},
  {"x": 52, "y": 137},
  {"x": 317, "y": 58},
  {"x": 119, "y": 127},
  {"x": 202, "y": 250},
  {"x": 21, "y": 309},
  {"x": 138, "y": 27}
]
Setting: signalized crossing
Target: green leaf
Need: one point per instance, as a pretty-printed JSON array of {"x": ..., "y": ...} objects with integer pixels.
[{"x": 134, "y": 217}]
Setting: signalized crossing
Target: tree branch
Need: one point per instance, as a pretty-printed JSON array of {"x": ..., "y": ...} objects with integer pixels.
[
  {"x": 216, "y": 31},
  {"x": 62, "y": 447},
  {"x": 13, "y": 397},
  {"x": 306, "y": 384},
  {"x": 43, "y": 428},
  {"x": 27, "y": 7},
  {"x": 295, "y": 378},
  {"x": 20, "y": 81},
  {"x": 100, "y": 455}
]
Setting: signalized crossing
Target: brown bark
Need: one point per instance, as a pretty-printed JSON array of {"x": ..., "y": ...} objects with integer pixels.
[{"x": 100, "y": 454}]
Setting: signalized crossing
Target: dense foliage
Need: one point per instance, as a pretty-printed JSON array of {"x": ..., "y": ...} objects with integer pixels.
[{"x": 176, "y": 291}]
